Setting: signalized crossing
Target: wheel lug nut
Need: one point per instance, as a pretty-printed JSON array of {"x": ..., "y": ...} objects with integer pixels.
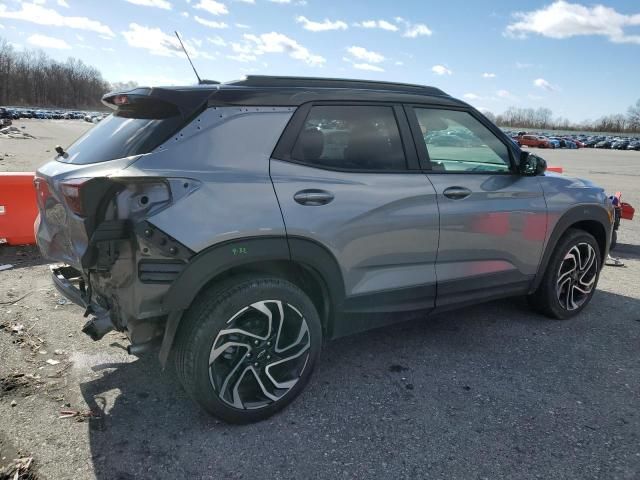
[
  {"x": 248, "y": 355},
  {"x": 268, "y": 344},
  {"x": 268, "y": 357},
  {"x": 256, "y": 342},
  {"x": 255, "y": 364}
]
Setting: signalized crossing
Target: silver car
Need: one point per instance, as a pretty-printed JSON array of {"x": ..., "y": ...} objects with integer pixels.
[{"x": 234, "y": 227}]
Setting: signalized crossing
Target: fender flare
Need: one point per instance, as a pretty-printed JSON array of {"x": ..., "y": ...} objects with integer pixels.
[
  {"x": 581, "y": 213},
  {"x": 220, "y": 258}
]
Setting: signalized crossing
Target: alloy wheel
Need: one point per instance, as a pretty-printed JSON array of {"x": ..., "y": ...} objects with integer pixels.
[
  {"x": 261, "y": 354},
  {"x": 577, "y": 276}
]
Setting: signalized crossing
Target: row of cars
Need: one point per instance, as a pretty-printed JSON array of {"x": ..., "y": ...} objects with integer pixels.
[
  {"x": 542, "y": 140},
  {"x": 14, "y": 113}
]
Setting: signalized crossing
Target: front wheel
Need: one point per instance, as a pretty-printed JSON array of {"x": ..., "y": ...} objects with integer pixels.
[
  {"x": 247, "y": 348},
  {"x": 571, "y": 276}
]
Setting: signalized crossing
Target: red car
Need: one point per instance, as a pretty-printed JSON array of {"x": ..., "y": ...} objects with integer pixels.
[{"x": 534, "y": 141}]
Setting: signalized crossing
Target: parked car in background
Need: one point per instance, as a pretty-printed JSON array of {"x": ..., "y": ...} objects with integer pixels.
[
  {"x": 603, "y": 144},
  {"x": 620, "y": 145},
  {"x": 555, "y": 142},
  {"x": 5, "y": 118},
  {"x": 534, "y": 141}
]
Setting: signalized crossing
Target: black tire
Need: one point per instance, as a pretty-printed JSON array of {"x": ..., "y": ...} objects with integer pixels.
[
  {"x": 548, "y": 299},
  {"x": 222, "y": 307}
]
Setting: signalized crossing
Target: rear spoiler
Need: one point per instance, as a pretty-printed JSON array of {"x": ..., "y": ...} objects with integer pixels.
[{"x": 185, "y": 100}]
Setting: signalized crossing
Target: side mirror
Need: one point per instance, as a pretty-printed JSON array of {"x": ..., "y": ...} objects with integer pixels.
[{"x": 531, "y": 165}]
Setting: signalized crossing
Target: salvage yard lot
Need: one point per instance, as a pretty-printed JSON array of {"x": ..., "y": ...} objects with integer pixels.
[{"x": 493, "y": 391}]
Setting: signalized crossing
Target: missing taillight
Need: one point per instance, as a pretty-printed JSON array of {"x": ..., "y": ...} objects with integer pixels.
[
  {"x": 71, "y": 191},
  {"x": 42, "y": 191}
]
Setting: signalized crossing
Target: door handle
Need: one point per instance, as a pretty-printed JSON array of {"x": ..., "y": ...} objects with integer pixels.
[
  {"x": 313, "y": 198},
  {"x": 456, "y": 193}
]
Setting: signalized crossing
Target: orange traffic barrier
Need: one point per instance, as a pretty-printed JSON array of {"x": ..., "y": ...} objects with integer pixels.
[
  {"x": 18, "y": 208},
  {"x": 555, "y": 169}
]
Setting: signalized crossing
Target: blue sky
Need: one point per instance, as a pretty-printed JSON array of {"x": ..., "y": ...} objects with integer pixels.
[{"x": 581, "y": 60}]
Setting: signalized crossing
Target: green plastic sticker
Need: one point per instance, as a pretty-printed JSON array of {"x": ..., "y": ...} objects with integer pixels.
[{"x": 239, "y": 251}]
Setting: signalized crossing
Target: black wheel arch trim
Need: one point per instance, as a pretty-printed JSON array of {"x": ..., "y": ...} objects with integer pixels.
[
  {"x": 575, "y": 215},
  {"x": 222, "y": 257}
]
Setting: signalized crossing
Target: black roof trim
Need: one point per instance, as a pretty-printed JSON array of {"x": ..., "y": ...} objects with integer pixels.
[{"x": 266, "y": 81}]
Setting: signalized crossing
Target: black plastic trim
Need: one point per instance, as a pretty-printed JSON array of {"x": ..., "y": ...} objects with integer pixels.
[
  {"x": 592, "y": 212},
  {"x": 481, "y": 288}
]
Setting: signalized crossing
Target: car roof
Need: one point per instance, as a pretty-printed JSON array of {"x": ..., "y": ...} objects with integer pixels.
[
  {"x": 263, "y": 90},
  {"x": 294, "y": 91}
]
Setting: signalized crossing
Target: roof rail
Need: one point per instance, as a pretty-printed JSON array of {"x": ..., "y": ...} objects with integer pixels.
[{"x": 320, "y": 82}]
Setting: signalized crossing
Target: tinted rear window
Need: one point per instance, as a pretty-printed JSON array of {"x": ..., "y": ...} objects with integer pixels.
[{"x": 119, "y": 136}]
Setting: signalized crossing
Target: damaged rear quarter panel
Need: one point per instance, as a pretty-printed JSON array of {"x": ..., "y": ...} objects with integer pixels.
[{"x": 227, "y": 149}]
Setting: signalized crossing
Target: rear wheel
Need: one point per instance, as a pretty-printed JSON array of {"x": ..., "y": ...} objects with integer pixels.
[
  {"x": 247, "y": 348},
  {"x": 571, "y": 276}
]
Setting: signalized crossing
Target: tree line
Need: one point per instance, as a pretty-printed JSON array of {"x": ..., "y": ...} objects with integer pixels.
[
  {"x": 542, "y": 119},
  {"x": 32, "y": 78}
]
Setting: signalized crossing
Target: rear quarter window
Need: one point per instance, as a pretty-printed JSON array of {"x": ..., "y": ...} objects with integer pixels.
[{"x": 125, "y": 133}]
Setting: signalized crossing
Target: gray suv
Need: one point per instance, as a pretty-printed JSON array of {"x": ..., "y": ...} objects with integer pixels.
[{"x": 235, "y": 227}]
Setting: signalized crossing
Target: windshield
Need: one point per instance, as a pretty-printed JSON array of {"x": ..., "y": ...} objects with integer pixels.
[{"x": 118, "y": 137}]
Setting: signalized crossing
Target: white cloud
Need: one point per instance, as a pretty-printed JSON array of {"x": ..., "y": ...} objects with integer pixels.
[
  {"x": 242, "y": 25},
  {"x": 400, "y": 63},
  {"x": 48, "y": 42},
  {"x": 274, "y": 42},
  {"x": 441, "y": 70},
  {"x": 30, "y": 12},
  {"x": 1, "y": 27},
  {"x": 252, "y": 2},
  {"x": 323, "y": 26},
  {"x": 471, "y": 96},
  {"x": 523, "y": 65},
  {"x": 163, "y": 4},
  {"x": 562, "y": 19},
  {"x": 301, "y": 3},
  {"x": 63, "y": 3},
  {"x": 185, "y": 14},
  {"x": 217, "y": 40},
  {"x": 506, "y": 94},
  {"x": 417, "y": 30},
  {"x": 488, "y": 75},
  {"x": 382, "y": 24},
  {"x": 210, "y": 23},
  {"x": 368, "y": 67},
  {"x": 542, "y": 83},
  {"x": 157, "y": 42},
  {"x": 213, "y": 7},
  {"x": 362, "y": 53}
]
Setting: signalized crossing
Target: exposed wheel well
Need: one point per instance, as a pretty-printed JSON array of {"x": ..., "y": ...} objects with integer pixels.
[
  {"x": 596, "y": 229},
  {"x": 304, "y": 277}
]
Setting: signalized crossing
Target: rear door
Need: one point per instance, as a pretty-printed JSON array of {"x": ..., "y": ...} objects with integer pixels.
[
  {"x": 492, "y": 220},
  {"x": 347, "y": 178}
]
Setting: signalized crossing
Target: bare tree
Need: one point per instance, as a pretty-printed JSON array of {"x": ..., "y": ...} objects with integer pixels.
[
  {"x": 31, "y": 78},
  {"x": 633, "y": 117}
]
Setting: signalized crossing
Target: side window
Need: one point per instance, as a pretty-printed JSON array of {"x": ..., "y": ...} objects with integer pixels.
[
  {"x": 457, "y": 142},
  {"x": 351, "y": 137}
]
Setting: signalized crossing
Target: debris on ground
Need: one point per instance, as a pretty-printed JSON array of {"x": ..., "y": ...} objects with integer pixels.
[
  {"x": 51, "y": 361},
  {"x": 12, "y": 383},
  {"x": 8, "y": 266},
  {"x": 18, "y": 469},
  {"x": 14, "y": 132},
  {"x": 77, "y": 414}
]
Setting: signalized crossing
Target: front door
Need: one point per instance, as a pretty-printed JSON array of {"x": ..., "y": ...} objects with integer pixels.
[
  {"x": 492, "y": 220},
  {"x": 347, "y": 184}
]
